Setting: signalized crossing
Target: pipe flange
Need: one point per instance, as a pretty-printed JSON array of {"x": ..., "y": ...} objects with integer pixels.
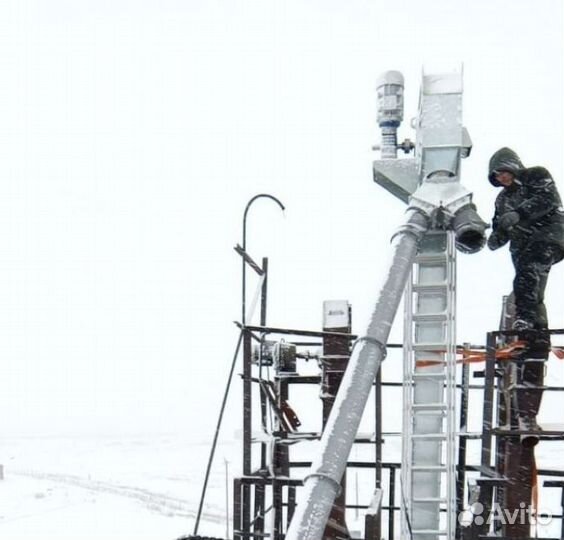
[
  {"x": 373, "y": 341},
  {"x": 417, "y": 225},
  {"x": 327, "y": 477}
]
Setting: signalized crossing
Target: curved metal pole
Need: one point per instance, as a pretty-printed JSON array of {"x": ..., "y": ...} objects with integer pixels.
[
  {"x": 244, "y": 274},
  {"x": 233, "y": 363}
]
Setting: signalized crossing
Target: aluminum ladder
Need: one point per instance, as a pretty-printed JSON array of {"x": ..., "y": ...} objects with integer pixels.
[{"x": 429, "y": 393}]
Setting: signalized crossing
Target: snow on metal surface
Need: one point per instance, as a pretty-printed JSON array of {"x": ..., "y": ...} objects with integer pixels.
[
  {"x": 335, "y": 314},
  {"x": 444, "y": 83}
]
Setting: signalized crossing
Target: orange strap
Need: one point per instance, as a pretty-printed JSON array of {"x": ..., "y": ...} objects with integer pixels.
[{"x": 469, "y": 356}]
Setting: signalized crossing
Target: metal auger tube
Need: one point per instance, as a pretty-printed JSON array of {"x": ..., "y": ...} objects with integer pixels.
[{"x": 322, "y": 484}]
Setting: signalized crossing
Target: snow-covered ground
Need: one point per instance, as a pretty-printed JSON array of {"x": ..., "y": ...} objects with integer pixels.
[
  {"x": 105, "y": 488},
  {"x": 148, "y": 487},
  {"x": 144, "y": 487}
]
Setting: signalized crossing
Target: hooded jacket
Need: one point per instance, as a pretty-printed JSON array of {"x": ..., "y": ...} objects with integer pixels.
[{"x": 533, "y": 195}]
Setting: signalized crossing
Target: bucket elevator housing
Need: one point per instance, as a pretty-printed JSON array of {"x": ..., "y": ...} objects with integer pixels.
[
  {"x": 440, "y": 215},
  {"x": 431, "y": 485}
]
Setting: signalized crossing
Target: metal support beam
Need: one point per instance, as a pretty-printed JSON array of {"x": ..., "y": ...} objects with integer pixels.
[
  {"x": 336, "y": 318},
  {"x": 486, "y": 485},
  {"x": 247, "y": 403}
]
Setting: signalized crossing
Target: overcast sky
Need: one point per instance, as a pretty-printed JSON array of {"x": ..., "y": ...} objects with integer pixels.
[{"x": 132, "y": 134}]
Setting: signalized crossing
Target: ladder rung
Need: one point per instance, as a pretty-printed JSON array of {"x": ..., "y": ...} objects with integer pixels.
[
  {"x": 429, "y": 287},
  {"x": 430, "y": 468},
  {"x": 431, "y": 257},
  {"x": 441, "y": 500},
  {"x": 431, "y": 347},
  {"x": 430, "y": 436},
  {"x": 430, "y": 375},
  {"x": 429, "y": 317},
  {"x": 429, "y": 406}
]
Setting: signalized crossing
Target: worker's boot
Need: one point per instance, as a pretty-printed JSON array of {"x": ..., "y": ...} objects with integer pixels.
[
  {"x": 529, "y": 423},
  {"x": 529, "y": 396}
]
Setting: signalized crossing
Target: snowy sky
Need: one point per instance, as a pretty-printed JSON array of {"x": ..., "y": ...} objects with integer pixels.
[{"x": 132, "y": 134}]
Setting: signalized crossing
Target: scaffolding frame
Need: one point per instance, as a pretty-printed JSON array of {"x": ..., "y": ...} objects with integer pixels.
[
  {"x": 276, "y": 478},
  {"x": 252, "y": 489},
  {"x": 505, "y": 464}
]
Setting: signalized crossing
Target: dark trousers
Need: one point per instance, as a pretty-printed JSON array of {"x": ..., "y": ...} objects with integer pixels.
[
  {"x": 532, "y": 266},
  {"x": 530, "y": 380}
]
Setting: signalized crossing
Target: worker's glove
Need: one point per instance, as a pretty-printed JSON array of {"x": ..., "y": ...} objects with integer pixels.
[
  {"x": 509, "y": 220},
  {"x": 495, "y": 241}
]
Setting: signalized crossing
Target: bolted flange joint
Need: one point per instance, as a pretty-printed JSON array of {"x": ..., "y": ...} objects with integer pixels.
[{"x": 372, "y": 341}]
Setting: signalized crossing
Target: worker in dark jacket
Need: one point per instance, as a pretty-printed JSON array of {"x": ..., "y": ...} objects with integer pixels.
[{"x": 528, "y": 215}]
